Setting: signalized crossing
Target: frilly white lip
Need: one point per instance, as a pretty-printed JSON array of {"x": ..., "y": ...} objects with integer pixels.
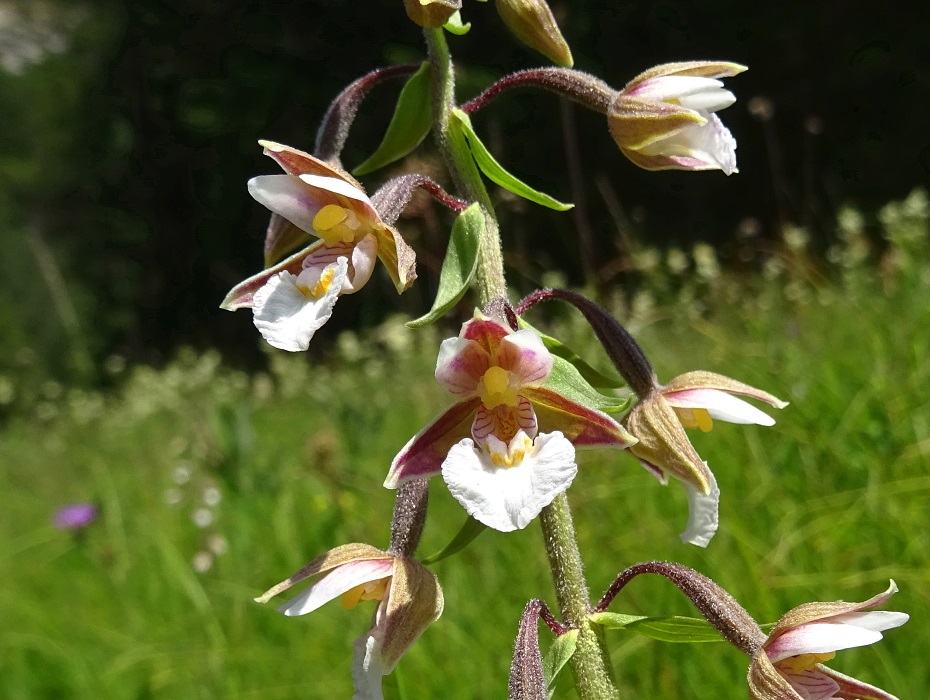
[
  {"x": 703, "y": 512},
  {"x": 508, "y": 498},
  {"x": 286, "y": 317}
]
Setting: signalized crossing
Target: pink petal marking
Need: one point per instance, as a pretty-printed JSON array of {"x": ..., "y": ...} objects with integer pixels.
[
  {"x": 487, "y": 332},
  {"x": 242, "y": 295},
  {"x": 524, "y": 354},
  {"x": 424, "y": 453},
  {"x": 819, "y": 638},
  {"x": 504, "y": 421},
  {"x": 812, "y": 684},
  {"x": 335, "y": 583},
  {"x": 460, "y": 366}
]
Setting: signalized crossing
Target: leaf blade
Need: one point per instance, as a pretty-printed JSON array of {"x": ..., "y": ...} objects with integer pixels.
[{"x": 409, "y": 125}]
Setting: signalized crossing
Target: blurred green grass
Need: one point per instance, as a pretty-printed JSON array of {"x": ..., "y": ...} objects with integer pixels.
[{"x": 829, "y": 504}]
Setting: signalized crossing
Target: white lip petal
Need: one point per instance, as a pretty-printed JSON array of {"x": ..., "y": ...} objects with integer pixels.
[
  {"x": 720, "y": 405},
  {"x": 367, "y": 669},
  {"x": 711, "y": 143},
  {"x": 703, "y": 512},
  {"x": 819, "y": 638},
  {"x": 286, "y": 317},
  {"x": 287, "y": 197},
  {"x": 335, "y": 583},
  {"x": 509, "y": 498}
]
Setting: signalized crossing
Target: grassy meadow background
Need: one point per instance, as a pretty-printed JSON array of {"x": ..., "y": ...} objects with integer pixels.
[{"x": 214, "y": 484}]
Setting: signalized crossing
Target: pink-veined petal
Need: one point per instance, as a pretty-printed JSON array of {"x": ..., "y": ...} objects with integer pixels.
[
  {"x": 812, "y": 684},
  {"x": 849, "y": 687},
  {"x": 335, "y": 583},
  {"x": 460, "y": 366},
  {"x": 286, "y": 317},
  {"x": 424, "y": 453},
  {"x": 703, "y": 512},
  {"x": 367, "y": 669},
  {"x": 504, "y": 420},
  {"x": 523, "y": 354},
  {"x": 720, "y": 405},
  {"x": 691, "y": 92},
  {"x": 508, "y": 498},
  {"x": 487, "y": 332}
]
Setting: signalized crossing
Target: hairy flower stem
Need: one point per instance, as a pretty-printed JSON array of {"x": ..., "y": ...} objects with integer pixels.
[
  {"x": 461, "y": 165},
  {"x": 590, "y": 662}
]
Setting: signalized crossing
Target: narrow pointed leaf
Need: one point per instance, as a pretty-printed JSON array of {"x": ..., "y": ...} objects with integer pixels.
[
  {"x": 594, "y": 377},
  {"x": 413, "y": 117},
  {"x": 665, "y": 629},
  {"x": 455, "y": 24},
  {"x": 470, "y": 529},
  {"x": 458, "y": 269},
  {"x": 560, "y": 651},
  {"x": 495, "y": 171},
  {"x": 567, "y": 381}
]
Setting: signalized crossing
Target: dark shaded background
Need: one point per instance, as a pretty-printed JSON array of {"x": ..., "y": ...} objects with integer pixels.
[{"x": 125, "y": 157}]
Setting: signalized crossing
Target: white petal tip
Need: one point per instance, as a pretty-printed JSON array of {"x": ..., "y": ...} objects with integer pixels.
[{"x": 703, "y": 518}]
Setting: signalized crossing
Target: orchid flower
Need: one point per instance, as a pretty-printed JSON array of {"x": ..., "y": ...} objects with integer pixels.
[
  {"x": 665, "y": 118},
  {"x": 409, "y": 596},
  {"x": 292, "y": 298},
  {"x": 488, "y": 446},
  {"x": 692, "y": 400},
  {"x": 789, "y": 664}
]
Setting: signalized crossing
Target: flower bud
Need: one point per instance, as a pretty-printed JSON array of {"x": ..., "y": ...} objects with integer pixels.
[
  {"x": 664, "y": 118},
  {"x": 431, "y": 13},
  {"x": 531, "y": 21}
]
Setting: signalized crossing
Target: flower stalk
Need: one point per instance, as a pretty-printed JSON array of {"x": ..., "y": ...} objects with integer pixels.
[{"x": 590, "y": 662}]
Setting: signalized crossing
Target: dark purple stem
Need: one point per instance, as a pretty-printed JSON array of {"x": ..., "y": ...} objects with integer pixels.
[
  {"x": 394, "y": 195},
  {"x": 409, "y": 517},
  {"x": 334, "y": 128},
  {"x": 624, "y": 352},
  {"x": 720, "y": 608},
  {"x": 580, "y": 87}
]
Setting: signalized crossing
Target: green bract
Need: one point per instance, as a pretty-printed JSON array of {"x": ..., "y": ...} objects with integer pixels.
[
  {"x": 675, "y": 628},
  {"x": 459, "y": 266},
  {"x": 412, "y": 120},
  {"x": 495, "y": 171}
]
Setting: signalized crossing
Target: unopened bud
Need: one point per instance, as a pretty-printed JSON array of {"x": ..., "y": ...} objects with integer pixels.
[
  {"x": 431, "y": 13},
  {"x": 531, "y": 21}
]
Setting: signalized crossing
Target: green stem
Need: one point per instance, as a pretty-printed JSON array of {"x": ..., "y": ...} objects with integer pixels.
[
  {"x": 467, "y": 177},
  {"x": 590, "y": 661}
]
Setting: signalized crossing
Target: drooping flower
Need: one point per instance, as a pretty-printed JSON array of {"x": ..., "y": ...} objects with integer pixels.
[
  {"x": 324, "y": 206},
  {"x": 789, "y": 664},
  {"x": 665, "y": 118},
  {"x": 410, "y": 599},
  {"x": 75, "y": 516},
  {"x": 488, "y": 445},
  {"x": 691, "y": 400}
]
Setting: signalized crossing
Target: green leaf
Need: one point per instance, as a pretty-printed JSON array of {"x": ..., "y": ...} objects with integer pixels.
[
  {"x": 665, "y": 629},
  {"x": 560, "y": 651},
  {"x": 458, "y": 269},
  {"x": 455, "y": 26},
  {"x": 495, "y": 171},
  {"x": 566, "y": 380},
  {"x": 413, "y": 117},
  {"x": 470, "y": 529},
  {"x": 591, "y": 375}
]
